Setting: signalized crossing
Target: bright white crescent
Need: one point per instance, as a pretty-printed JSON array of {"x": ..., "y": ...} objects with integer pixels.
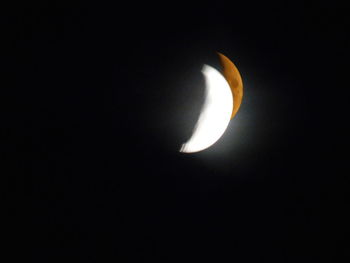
[{"x": 215, "y": 114}]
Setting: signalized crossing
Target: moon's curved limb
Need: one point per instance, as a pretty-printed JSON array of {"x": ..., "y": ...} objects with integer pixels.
[
  {"x": 234, "y": 79},
  {"x": 215, "y": 114}
]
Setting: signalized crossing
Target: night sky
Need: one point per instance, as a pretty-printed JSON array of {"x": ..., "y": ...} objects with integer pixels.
[{"x": 97, "y": 99}]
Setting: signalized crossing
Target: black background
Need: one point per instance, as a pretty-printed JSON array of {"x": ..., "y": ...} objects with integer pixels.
[{"x": 97, "y": 99}]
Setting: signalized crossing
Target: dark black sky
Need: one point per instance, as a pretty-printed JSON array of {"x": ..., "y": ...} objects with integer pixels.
[{"x": 98, "y": 98}]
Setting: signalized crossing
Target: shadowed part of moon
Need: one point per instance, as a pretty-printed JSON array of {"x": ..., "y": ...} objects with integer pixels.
[{"x": 234, "y": 79}]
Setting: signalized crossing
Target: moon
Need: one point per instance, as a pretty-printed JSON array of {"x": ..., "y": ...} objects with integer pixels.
[{"x": 223, "y": 97}]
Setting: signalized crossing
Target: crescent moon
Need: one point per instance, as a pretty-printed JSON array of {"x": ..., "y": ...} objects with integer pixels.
[
  {"x": 234, "y": 79},
  {"x": 215, "y": 115}
]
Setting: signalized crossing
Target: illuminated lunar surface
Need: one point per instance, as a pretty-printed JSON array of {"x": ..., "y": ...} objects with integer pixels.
[{"x": 215, "y": 114}]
